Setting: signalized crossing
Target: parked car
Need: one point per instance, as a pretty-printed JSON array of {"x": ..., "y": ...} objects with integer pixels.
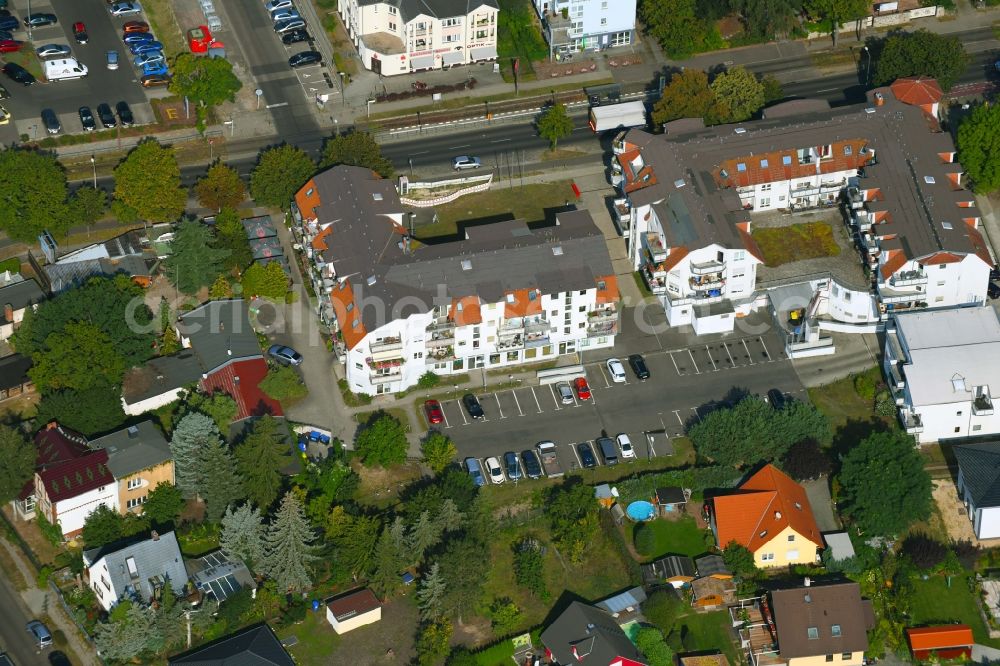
[
  {"x": 625, "y": 445},
  {"x": 494, "y": 470},
  {"x": 284, "y": 355},
  {"x": 53, "y": 51},
  {"x": 992, "y": 290},
  {"x": 582, "y": 388},
  {"x": 125, "y": 9},
  {"x": 4, "y": 115},
  {"x": 475, "y": 471},
  {"x": 609, "y": 454},
  {"x": 776, "y": 398},
  {"x": 288, "y": 26},
  {"x": 80, "y": 32},
  {"x": 18, "y": 73},
  {"x": 137, "y": 37},
  {"x": 58, "y": 658},
  {"x": 6, "y": 34},
  {"x": 51, "y": 121},
  {"x": 40, "y": 633},
  {"x": 9, "y": 23},
  {"x": 271, "y": 5},
  {"x": 565, "y": 392},
  {"x": 306, "y": 58},
  {"x": 285, "y": 14},
  {"x": 39, "y": 20},
  {"x": 135, "y": 26},
  {"x": 105, "y": 114},
  {"x": 112, "y": 59},
  {"x": 87, "y": 119},
  {"x": 145, "y": 47},
  {"x": 294, "y": 37},
  {"x": 587, "y": 458},
  {"x": 617, "y": 371},
  {"x": 433, "y": 410},
  {"x": 155, "y": 69},
  {"x": 532, "y": 468},
  {"x": 465, "y": 162},
  {"x": 124, "y": 114},
  {"x": 512, "y": 465},
  {"x": 638, "y": 365},
  {"x": 150, "y": 58},
  {"x": 10, "y": 45},
  {"x": 473, "y": 407}
]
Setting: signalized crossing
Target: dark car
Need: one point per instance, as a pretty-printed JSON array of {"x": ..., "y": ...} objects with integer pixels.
[
  {"x": 638, "y": 365},
  {"x": 472, "y": 406},
  {"x": 776, "y": 398},
  {"x": 124, "y": 114},
  {"x": 106, "y": 115},
  {"x": 587, "y": 458},
  {"x": 306, "y": 58},
  {"x": 80, "y": 32},
  {"x": 137, "y": 37},
  {"x": 145, "y": 47},
  {"x": 87, "y": 119},
  {"x": 992, "y": 290},
  {"x": 18, "y": 73},
  {"x": 9, "y": 23},
  {"x": 59, "y": 658},
  {"x": 284, "y": 355},
  {"x": 512, "y": 466},
  {"x": 4, "y": 94},
  {"x": 39, "y": 19},
  {"x": 294, "y": 37},
  {"x": 6, "y": 34},
  {"x": 532, "y": 468}
]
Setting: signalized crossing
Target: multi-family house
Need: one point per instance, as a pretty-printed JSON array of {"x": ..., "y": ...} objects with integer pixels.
[
  {"x": 571, "y": 26},
  {"x": 402, "y": 36},
  {"x": 941, "y": 367},
  {"x": 497, "y": 295},
  {"x": 139, "y": 458},
  {"x": 137, "y": 571}
]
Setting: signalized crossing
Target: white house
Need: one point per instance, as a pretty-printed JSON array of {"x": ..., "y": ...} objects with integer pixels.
[
  {"x": 16, "y": 296},
  {"x": 979, "y": 486},
  {"x": 579, "y": 25},
  {"x": 137, "y": 571},
  {"x": 402, "y": 36},
  {"x": 942, "y": 366},
  {"x": 352, "y": 610},
  {"x": 501, "y": 295},
  {"x": 66, "y": 493}
]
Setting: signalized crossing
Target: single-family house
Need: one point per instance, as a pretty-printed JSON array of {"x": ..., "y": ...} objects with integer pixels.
[
  {"x": 254, "y": 646},
  {"x": 979, "y": 486},
  {"x": 585, "y": 633},
  {"x": 66, "y": 492},
  {"x": 125, "y": 254},
  {"x": 14, "y": 379},
  {"x": 139, "y": 458},
  {"x": 677, "y": 570},
  {"x": 770, "y": 515},
  {"x": 352, "y": 610},
  {"x": 941, "y": 642},
  {"x": 16, "y": 297},
  {"x": 137, "y": 571}
]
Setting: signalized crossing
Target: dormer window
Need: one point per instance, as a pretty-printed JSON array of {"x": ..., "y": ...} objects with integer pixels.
[
  {"x": 740, "y": 166},
  {"x": 763, "y": 164},
  {"x": 786, "y": 160}
]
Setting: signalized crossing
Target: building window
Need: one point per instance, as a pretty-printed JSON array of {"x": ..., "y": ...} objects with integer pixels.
[
  {"x": 392, "y": 27},
  {"x": 786, "y": 160},
  {"x": 766, "y": 187},
  {"x": 763, "y": 164},
  {"x": 848, "y": 150},
  {"x": 958, "y": 413},
  {"x": 791, "y": 537},
  {"x": 846, "y": 656},
  {"x": 767, "y": 557},
  {"x": 134, "y": 483},
  {"x": 392, "y": 10},
  {"x": 812, "y": 633},
  {"x": 976, "y": 428},
  {"x": 583, "y": 308},
  {"x": 835, "y": 631},
  {"x": 829, "y": 657},
  {"x": 740, "y": 166},
  {"x": 136, "y": 501},
  {"x": 958, "y": 430},
  {"x": 765, "y": 202}
]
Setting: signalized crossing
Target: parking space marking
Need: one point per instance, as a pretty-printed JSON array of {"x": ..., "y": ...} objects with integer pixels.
[
  {"x": 462, "y": 412},
  {"x": 607, "y": 384},
  {"x": 697, "y": 415},
  {"x": 444, "y": 415},
  {"x": 709, "y": 352},
  {"x": 496, "y": 396},
  {"x": 679, "y": 373},
  {"x": 649, "y": 443},
  {"x": 679, "y": 419},
  {"x": 766, "y": 353},
  {"x": 732, "y": 362},
  {"x": 554, "y": 400},
  {"x": 749, "y": 355},
  {"x": 693, "y": 362},
  {"x": 536, "y": 399},
  {"x": 593, "y": 398},
  {"x": 516, "y": 402},
  {"x": 576, "y": 454}
]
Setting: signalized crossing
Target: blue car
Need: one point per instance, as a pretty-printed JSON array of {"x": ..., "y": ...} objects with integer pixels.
[
  {"x": 145, "y": 47},
  {"x": 150, "y": 58},
  {"x": 157, "y": 68},
  {"x": 137, "y": 37},
  {"x": 9, "y": 23},
  {"x": 475, "y": 471},
  {"x": 513, "y": 466}
]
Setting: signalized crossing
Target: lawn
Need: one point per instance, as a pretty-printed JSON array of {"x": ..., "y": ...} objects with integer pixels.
[
  {"x": 806, "y": 240},
  {"x": 673, "y": 537},
  {"x": 518, "y": 36},
  {"x": 315, "y": 639},
  {"x": 160, "y": 16},
  {"x": 841, "y": 403},
  {"x": 936, "y": 603},
  {"x": 527, "y": 203},
  {"x": 708, "y": 631}
]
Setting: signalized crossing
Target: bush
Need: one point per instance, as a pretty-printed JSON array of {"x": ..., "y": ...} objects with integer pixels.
[
  {"x": 43, "y": 577},
  {"x": 864, "y": 386},
  {"x": 644, "y": 539},
  {"x": 428, "y": 380},
  {"x": 925, "y": 552},
  {"x": 884, "y": 404},
  {"x": 806, "y": 461}
]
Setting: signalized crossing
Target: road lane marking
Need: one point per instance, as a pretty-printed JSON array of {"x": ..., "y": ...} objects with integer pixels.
[
  {"x": 709, "y": 352},
  {"x": 457, "y": 147},
  {"x": 536, "y": 399},
  {"x": 499, "y": 140},
  {"x": 766, "y": 353},
  {"x": 553, "y": 392},
  {"x": 517, "y": 402},
  {"x": 496, "y": 396},
  {"x": 670, "y": 354},
  {"x": 695, "y": 363},
  {"x": 731, "y": 361},
  {"x": 749, "y": 355}
]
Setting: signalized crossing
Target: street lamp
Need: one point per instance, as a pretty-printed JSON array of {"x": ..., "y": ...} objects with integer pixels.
[
  {"x": 93, "y": 165},
  {"x": 868, "y": 65},
  {"x": 343, "y": 99}
]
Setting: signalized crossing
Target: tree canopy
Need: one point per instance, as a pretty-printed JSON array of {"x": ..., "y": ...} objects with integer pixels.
[
  {"x": 284, "y": 384},
  {"x": 220, "y": 187},
  {"x": 148, "y": 183},
  {"x": 266, "y": 281},
  {"x": 438, "y": 451},
  {"x": 288, "y": 549},
  {"x": 280, "y": 173},
  {"x": 979, "y": 147},
  {"x": 920, "y": 53},
  {"x": 739, "y": 91},
  {"x": 91, "y": 411},
  {"x": 260, "y": 458},
  {"x": 232, "y": 237},
  {"x": 356, "y": 149},
  {"x": 836, "y": 12},
  {"x": 688, "y": 95},
  {"x": 764, "y": 19},
  {"x": 572, "y": 512},
  {"x": 163, "y": 504},
  {"x": 194, "y": 262},
  {"x": 207, "y": 81},
  {"x": 677, "y": 25},
  {"x": 17, "y": 462},
  {"x": 555, "y": 124},
  {"x": 87, "y": 204},
  {"x": 33, "y": 190},
  {"x": 382, "y": 441},
  {"x": 78, "y": 358}
]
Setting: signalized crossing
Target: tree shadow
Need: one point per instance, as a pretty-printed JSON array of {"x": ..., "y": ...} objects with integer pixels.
[{"x": 850, "y": 434}]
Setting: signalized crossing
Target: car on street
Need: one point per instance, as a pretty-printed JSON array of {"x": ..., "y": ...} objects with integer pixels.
[
  {"x": 776, "y": 398},
  {"x": 992, "y": 290},
  {"x": 39, "y": 20},
  {"x": 137, "y": 37},
  {"x": 638, "y": 365},
  {"x": 565, "y": 392},
  {"x": 51, "y": 121},
  {"x": 150, "y": 58},
  {"x": 433, "y": 410},
  {"x": 306, "y": 58},
  {"x": 155, "y": 69},
  {"x": 287, "y": 26},
  {"x": 124, "y": 114},
  {"x": 112, "y": 59},
  {"x": 625, "y": 445},
  {"x": 40, "y": 633},
  {"x": 125, "y": 9},
  {"x": 9, "y": 23},
  {"x": 582, "y": 388},
  {"x": 284, "y": 355},
  {"x": 294, "y": 37},
  {"x": 512, "y": 466},
  {"x": 4, "y": 115},
  {"x": 465, "y": 162},
  {"x": 80, "y": 32},
  {"x": 87, "y": 119},
  {"x": 587, "y": 458},
  {"x": 473, "y": 407},
  {"x": 271, "y": 5},
  {"x": 285, "y": 14},
  {"x": 617, "y": 371},
  {"x": 18, "y": 73},
  {"x": 4, "y": 93},
  {"x": 145, "y": 47},
  {"x": 532, "y": 468},
  {"x": 53, "y": 51},
  {"x": 494, "y": 470},
  {"x": 475, "y": 471},
  {"x": 59, "y": 658},
  {"x": 135, "y": 26},
  {"x": 10, "y": 45},
  {"x": 106, "y": 115}
]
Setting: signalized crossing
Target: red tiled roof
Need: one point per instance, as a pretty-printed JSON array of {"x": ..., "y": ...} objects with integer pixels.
[
  {"x": 893, "y": 263},
  {"x": 917, "y": 90},
  {"x": 353, "y": 604},
  {"x": 942, "y": 258},
  {"x": 77, "y": 476},
  {"x": 250, "y": 400},
  {"x": 466, "y": 311},
  {"x": 941, "y": 636},
  {"x": 56, "y": 444},
  {"x": 748, "y": 242},
  {"x": 780, "y": 165}
]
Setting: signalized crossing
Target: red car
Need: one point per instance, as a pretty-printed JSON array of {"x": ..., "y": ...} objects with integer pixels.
[
  {"x": 434, "y": 413},
  {"x": 80, "y": 32},
  {"x": 582, "y": 388},
  {"x": 10, "y": 45},
  {"x": 135, "y": 26}
]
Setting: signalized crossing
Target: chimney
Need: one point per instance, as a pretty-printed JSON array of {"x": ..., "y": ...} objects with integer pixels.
[
  {"x": 154, "y": 535},
  {"x": 8, "y": 312},
  {"x": 236, "y": 380},
  {"x": 777, "y": 515},
  {"x": 52, "y": 425}
]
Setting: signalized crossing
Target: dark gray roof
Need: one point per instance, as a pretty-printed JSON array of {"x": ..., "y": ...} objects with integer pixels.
[
  {"x": 830, "y": 609},
  {"x": 160, "y": 375},
  {"x": 410, "y": 9},
  {"x": 670, "y": 495},
  {"x": 129, "y": 243},
  {"x": 154, "y": 562},
  {"x": 980, "y": 467},
  {"x": 219, "y": 332},
  {"x": 665, "y": 568},
  {"x": 711, "y": 565},
  {"x": 256, "y": 646},
  {"x": 65, "y": 276},
  {"x": 593, "y": 632},
  {"x": 14, "y": 370},
  {"x": 259, "y": 227},
  {"x": 133, "y": 449},
  {"x": 219, "y": 575},
  {"x": 621, "y": 602},
  {"x": 262, "y": 248},
  {"x": 20, "y": 295}
]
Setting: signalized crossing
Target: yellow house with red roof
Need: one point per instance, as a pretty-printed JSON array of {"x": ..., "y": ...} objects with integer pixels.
[{"x": 770, "y": 515}]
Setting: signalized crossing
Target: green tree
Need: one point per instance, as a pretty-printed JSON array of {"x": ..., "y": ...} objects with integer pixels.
[
  {"x": 505, "y": 616},
  {"x": 773, "y": 89},
  {"x": 207, "y": 81},
  {"x": 87, "y": 205},
  {"x": 356, "y": 149},
  {"x": 194, "y": 433},
  {"x": 355, "y": 539},
  {"x": 103, "y": 525},
  {"x": 529, "y": 567},
  {"x": 242, "y": 533},
  {"x": 650, "y": 642},
  {"x": 425, "y": 533},
  {"x": 131, "y": 634},
  {"x": 91, "y": 411},
  {"x": 77, "y": 358},
  {"x": 979, "y": 147},
  {"x": 572, "y": 512},
  {"x": 169, "y": 344},
  {"x": 688, "y": 95},
  {"x": 432, "y": 642},
  {"x": 921, "y": 53},
  {"x": 389, "y": 561},
  {"x": 766, "y": 18},
  {"x": 836, "y": 12},
  {"x": 218, "y": 405},
  {"x": 675, "y": 24},
  {"x": 232, "y": 237},
  {"x": 662, "y": 609},
  {"x": 382, "y": 441},
  {"x": 462, "y": 563},
  {"x": 265, "y": 281},
  {"x": 283, "y": 384},
  {"x": 288, "y": 550},
  {"x": 163, "y": 504},
  {"x": 438, "y": 451},
  {"x": 222, "y": 484},
  {"x": 148, "y": 184},
  {"x": 885, "y": 486},
  {"x": 645, "y": 540},
  {"x": 220, "y": 187},
  {"x": 194, "y": 261},
  {"x": 429, "y": 594},
  {"x": 17, "y": 462},
  {"x": 33, "y": 190},
  {"x": 740, "y": 561},
  {"x": 279, "y": 174},
  {"x": 805, "y": 461},
  {"x": 740, "y": 92},
  {"x": 260, "y": 457},
  {"x": 220, "y": 289},
  {"x": 555, "y": 124},
  {"x": 461, "y": 656}
]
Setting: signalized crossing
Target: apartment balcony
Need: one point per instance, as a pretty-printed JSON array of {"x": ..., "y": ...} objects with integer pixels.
[
  {"x": 896, "y": 378},
  {"x": 602, "y": 329},
  {"x": 440, "y": 339},
  {"x": 707, "y": 267},
  {"x": 439, "y": 354},
  {"x": 654, "y": 246},
  {"x": 908, "y": 279},
  {"x": 745, "y": 192},
  {"x": 912, "y": 423},
  {"x": 822, "y": 188},
  {"x": 707, "y": 282},
  {"x": 893, "y": 348},
  {"x": 536, "y": 340},
  {"x": 862, "y": 219},
  {"x": 854, "y": 198},
  {"x": 442, "y": 325},
  {"x": 657, "y": 285},
  {"x": 607, "y": 313},
  {"x": 756, "y": 636},
  {"x": 623, "y": 217},
  {"x": 385, "y": 350},
  {"x": 386, "y": 377},
  {"x": 900, "y": 301},
  {"x": 508, "y": 344},
  {"x": 982, "y": 405},
  {"x": 537, "y": 325}
]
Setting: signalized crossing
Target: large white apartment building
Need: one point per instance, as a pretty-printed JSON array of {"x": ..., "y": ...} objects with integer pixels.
[
  {"x": 498, "y": 295},
  {"x": 402, "y": 36},
  {"x": 940, "y": 365},
  {"x": 578, "y": 25}
]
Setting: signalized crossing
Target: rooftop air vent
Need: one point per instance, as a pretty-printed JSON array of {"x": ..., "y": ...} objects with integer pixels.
[
  {"x": 133, "y": 432},
  {"x": 371, "y": 280},
  {"x": 679, "y": 183},
  {"x": 557, "y": 250},
  {"x": 929, "y": 180},
  {"x": 740, "y": 130},
  {"x": 466, "y": 264}
]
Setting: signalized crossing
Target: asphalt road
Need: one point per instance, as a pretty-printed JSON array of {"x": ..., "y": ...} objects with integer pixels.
[{"x": 14, "y": 639}]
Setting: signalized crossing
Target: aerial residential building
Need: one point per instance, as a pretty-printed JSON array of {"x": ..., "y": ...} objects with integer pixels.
[
  {"x": 124, "y": 254},
  {"x": 979, "y": 486},
  {"x": 353, "y": 610},
  {"x": 137, "y": 571},
  {"x": 497, "y": 296},
  {"x": 587, "y": 634},
  {"x": 139, "y": 458},
  {"x": 256, "y": 646},
  {"x": 17, "y": 295},
  {"x": 941, "y": 642},
  {"x": 939, "y": 366},
  {"x": 578, "y": 25},
  {"x": 402, "y": 36}
]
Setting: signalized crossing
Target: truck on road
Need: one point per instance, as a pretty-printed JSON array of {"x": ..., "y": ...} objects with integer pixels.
[
  {"x": 550, "y": 460},
  {"x": 617, "y": 116}
]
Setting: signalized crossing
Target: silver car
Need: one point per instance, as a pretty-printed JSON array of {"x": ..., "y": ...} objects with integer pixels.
[
  {"x": 112, "y": 58},
  {"x": 465, "y": 162},
  {"x": 53, "y": 51},
  {"x": 40, "y": 633},
  {"x": 565, "y": 393}
]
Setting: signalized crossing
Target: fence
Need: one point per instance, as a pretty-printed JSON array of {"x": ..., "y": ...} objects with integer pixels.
[{"x": 482, "y": 186}]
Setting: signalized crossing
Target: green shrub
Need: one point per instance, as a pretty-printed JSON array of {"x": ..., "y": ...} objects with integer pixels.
[
  {"x": 644, "y": 539},
  {"x": 13, "y": 265},
  {"x": 43, "y": 577},
  {"x": 52, "y": 533},
  {"x": 428, "y": 380},
  {"x": 864, "y": 386},
  {"x": 884, "y": 404}
]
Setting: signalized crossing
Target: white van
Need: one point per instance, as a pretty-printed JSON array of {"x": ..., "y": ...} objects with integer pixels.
[{"x": 64, "y": 68}]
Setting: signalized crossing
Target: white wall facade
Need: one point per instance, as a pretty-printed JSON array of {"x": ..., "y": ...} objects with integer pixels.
[
  {"x": 596, "y": 24},
  {"x": 846, "y": 305},
  {"x": 72, "y": 512},
  {"x": 354, "y": 622},
  {"x": 154, "y": 402},
  {"x": 985, "y": 520},
  {"x": 816, "y": 190},
  {"x": 940, "y": 285},
  {"x": 103, "y": 584}
]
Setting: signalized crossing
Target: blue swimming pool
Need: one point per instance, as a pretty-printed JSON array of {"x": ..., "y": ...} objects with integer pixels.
[{"x": 640, "y": 511}]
